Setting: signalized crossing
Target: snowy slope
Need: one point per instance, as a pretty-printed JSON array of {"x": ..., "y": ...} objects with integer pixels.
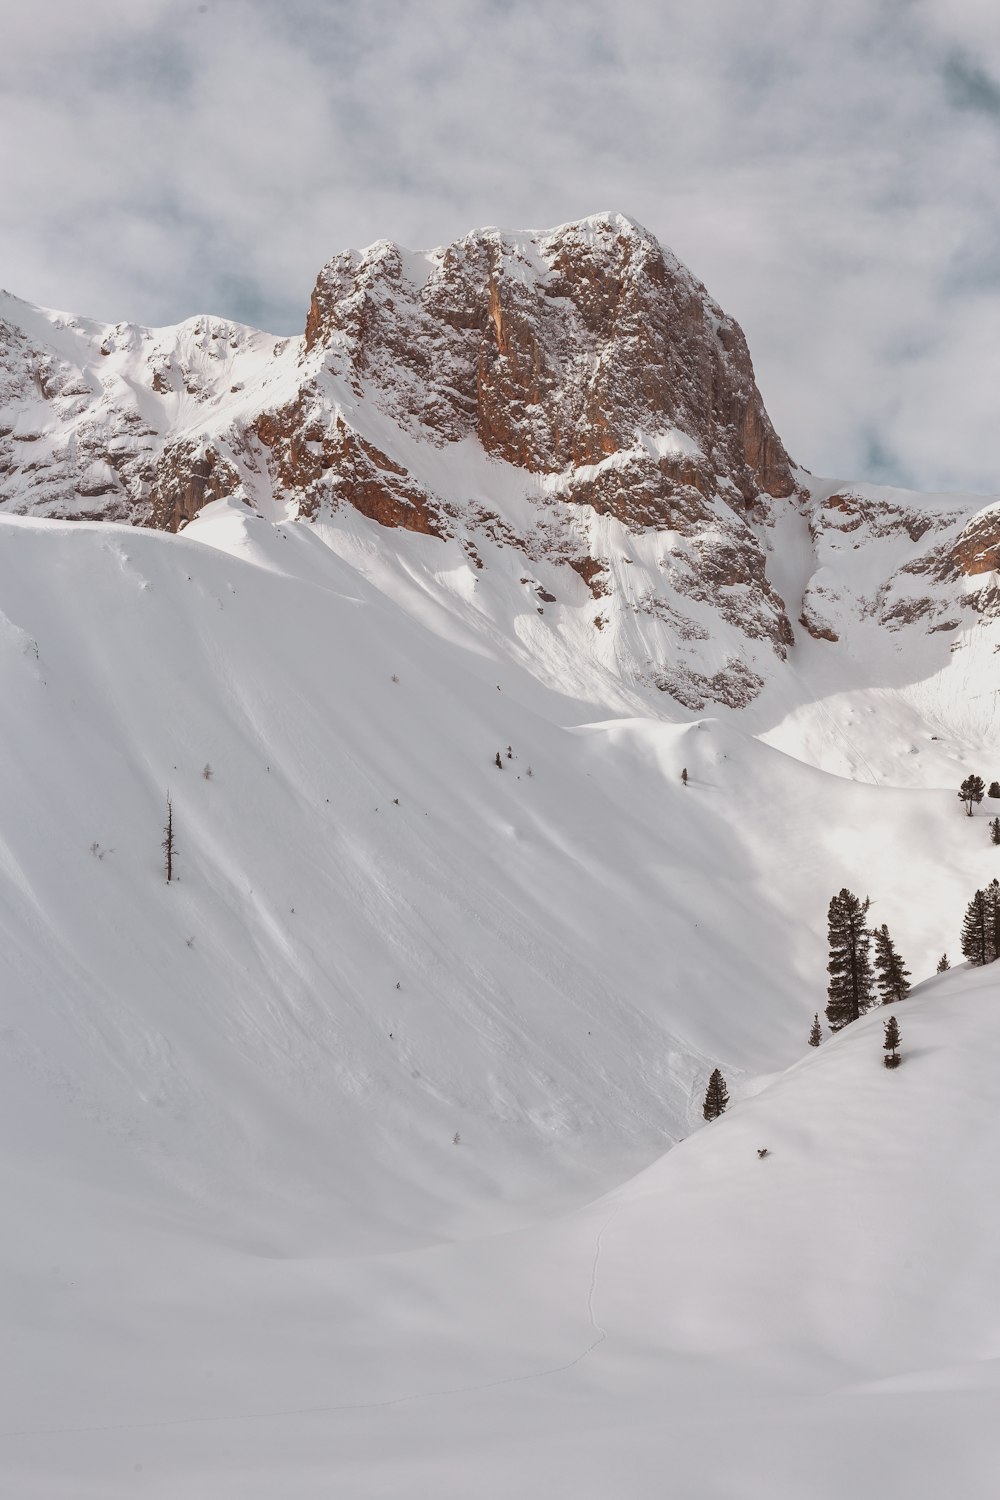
[
  {"x": 819, "y": 1323},
  {"x": 228, "y": 1155}
]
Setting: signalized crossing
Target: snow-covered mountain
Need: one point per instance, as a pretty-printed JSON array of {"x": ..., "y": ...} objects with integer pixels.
[
  {"x": 336, "y": 1166},
  {"x": 575, "y": 395}
]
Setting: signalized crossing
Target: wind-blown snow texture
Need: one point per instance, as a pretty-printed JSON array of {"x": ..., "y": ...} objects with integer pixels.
[{"x": 327, "y": 1167}]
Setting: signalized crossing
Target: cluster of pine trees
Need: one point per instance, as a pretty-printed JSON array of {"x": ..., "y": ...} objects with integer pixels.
[
  {"x": 858, "y": 983},
  {"x": 853, "y": 981},
  {"x": 971, "y": 793}
]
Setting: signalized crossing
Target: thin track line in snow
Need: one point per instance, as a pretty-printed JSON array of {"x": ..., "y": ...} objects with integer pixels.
[{"x": 307, "y": 1411}]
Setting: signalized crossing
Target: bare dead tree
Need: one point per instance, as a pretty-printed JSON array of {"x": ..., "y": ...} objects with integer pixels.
[{"x": 168, "y": 846}]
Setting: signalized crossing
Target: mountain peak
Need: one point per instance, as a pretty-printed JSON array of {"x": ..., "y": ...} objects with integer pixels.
[{"x": 572, "y": 395}]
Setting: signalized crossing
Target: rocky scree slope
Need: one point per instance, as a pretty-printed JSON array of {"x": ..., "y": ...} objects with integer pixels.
[{"x": 575, "y": 396}]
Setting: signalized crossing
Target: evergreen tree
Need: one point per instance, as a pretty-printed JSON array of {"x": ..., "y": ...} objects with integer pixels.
[
  {"x": 850, "y": 987},
  {"x": 815, "y": 1032},
  {"x": 992, "y": 894},
  {"x": 994, "y": 790},
  {"x": 684, "y": 775},
  {"x": 891, "y": 1042},
  {"x": 943, "y": 964},
  {"x": 893, "y": 978},
  {"x": 716, "y": 1096},
  {"x": 498, "y": 762},
  {"x": 995, "y": 830},
  {"x": 975, "y": 943},
  {"x": 972, "y": 790}
]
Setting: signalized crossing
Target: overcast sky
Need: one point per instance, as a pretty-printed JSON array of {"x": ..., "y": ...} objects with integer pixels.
[{"x": 831, "y": 171}]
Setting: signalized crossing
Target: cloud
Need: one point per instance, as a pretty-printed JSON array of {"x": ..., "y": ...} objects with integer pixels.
[{"x": 826, "y": 170}]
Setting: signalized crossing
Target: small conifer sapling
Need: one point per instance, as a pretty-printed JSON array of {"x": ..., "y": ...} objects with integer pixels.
[
  {"x": 943, "y": 964},
  {"x": 891, "y": 1043},
  {"x": 716, "y": 1096},
  {"x": 498, "y": 762},
  {"x": 815, "y": 1032},
  {"x": 684, "y": 776}
]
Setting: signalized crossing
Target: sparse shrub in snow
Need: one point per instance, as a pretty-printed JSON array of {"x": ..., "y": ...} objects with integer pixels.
[
  {"x": 971, "y": 792},
  {"x": 456, "y": 1139},
  {"x": 815, "y": 1032},
  {"x": 98, "y": 851},
  {"x": 891, "y": 1042},
  {"x": 529, "y": 772},
  {"x": 716, "y": 1096},
  {"x": 893, "y": 978},
  {"x": 850, "y": 991},
  {"x": 207, "y": 771},
  {"x": 395, "y": 677},
  {"x": 510, "y": 753},
  {"x": 498, "y": 762},
  {"x": 684, "y": 775},
  {"x": 994, "y": 790},
  {"x": 943, "y": 964}
]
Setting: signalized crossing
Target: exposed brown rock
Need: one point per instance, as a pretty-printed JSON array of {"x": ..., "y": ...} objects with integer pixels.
[
  {"x": 557, "y": 351},
  {"x": 188, "y": 476},
  {"x": 818, "y": 632},
  {"x": 977, "y": 549},
  {"x": 593, "y": 571}
]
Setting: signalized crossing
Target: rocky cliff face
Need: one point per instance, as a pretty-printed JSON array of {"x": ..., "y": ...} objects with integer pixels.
[
  {"x": 557, "y": 352},
  {"x": 575, "y": 398}
]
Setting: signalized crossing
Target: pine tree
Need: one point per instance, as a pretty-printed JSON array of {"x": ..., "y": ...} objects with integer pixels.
[
  {"x": 995, "y": 831},
  {"x": 167, "y": 846},
  {"x": 975, "y": 944},
  {"x": 893, "y": 978},
  {"x": 994, "y": 790},
  {"x": 815, "y": 1032},
  {"x": 684, "y": 775},
  {"x": 943, "y": 964},
  {"x": 498, "y": 762},
  {"x": 891, "y": 1042},
  {"x": 716, "y": 1096},
  {"x": 972, "y": 790},
  {"x": 850, "y": 988},
  {"x": 992, "y": 895}
]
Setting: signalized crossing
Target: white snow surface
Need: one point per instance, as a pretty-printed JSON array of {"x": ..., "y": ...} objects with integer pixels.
[{"x": 366, "y": 1158}]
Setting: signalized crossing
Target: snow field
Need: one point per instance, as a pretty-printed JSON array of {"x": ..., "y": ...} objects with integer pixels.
[{"x": 242, "y": 1249}]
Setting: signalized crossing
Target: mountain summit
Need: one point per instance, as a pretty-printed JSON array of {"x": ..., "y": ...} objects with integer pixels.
[{"x": 574, "y": 396}]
